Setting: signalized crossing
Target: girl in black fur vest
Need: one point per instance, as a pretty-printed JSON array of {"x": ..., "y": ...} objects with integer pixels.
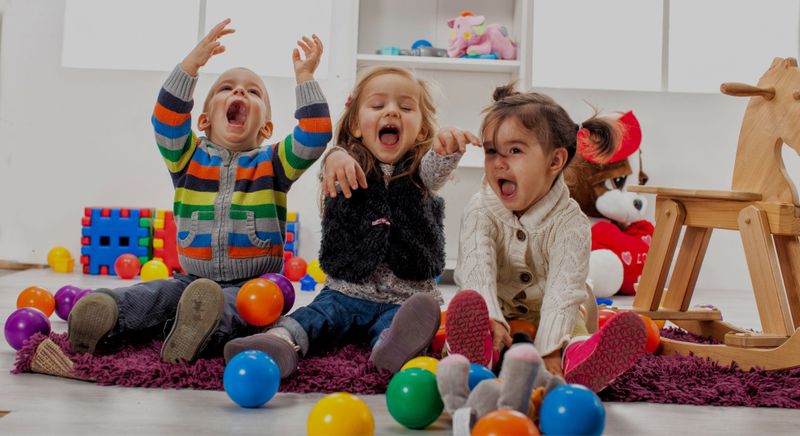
[{"x": 382, "y": 229}]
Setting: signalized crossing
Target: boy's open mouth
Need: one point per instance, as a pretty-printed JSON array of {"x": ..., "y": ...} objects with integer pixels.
[
  {"x": 507, "y": 187},
  {"x": 389, "y": 135},
  {"x": 237, "y": 114}
]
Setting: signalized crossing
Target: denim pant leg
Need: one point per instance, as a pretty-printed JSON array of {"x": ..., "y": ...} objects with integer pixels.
[
  {"x": 231, "y": 326},
  {"x": 147, "y": 304},
  {"x": 383, "y": 322}
]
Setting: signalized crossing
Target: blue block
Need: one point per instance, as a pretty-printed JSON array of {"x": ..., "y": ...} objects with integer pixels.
[
  {"x": 106, "y": 235},
  {"x": 289, "y": 246}
]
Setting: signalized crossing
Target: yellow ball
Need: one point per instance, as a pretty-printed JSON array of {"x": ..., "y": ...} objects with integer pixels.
[
  {"x": 422, "y": 362},
  {"x": 60, "y": 260},
  {"x": 154, "y": 270},
  {"x": 316, "y": 272},
  {"x": 341, "y": 414}
]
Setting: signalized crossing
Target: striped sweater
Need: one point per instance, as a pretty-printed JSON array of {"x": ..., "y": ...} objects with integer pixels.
[{"x": 230, "y": 207}]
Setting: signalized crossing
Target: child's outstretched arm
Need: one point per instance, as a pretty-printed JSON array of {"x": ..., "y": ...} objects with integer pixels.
[
  {"x": 172, "y": 114},
  {"x": 449, "y": 145},
  {"x": 298, "y": 151},
  {"x": 341, "y": 171}
]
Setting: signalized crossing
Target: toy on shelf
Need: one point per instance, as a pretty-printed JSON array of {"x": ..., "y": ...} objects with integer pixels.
[
  {"x": 24, "y": 323},
  {"x": 60, "y": 260},
  {"x": 165, "y": 241},
  {"x": 38, "y": 298},
  {"x": 763, "y": 206},
  {"x": 154, "y": 270},
  {"x": 341, "y": 413},
  {"x": 471, "y": 36},
  {"x": 127, "y": 266},
  {"x": 251, "y": 378},
  {"x": 109, "y": 232},
  {"x": 420, "y": 47},
  {"x": 620, "y": 235}
]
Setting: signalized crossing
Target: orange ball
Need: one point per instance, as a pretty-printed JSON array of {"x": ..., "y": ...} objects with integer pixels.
[
  {"x": 443, "y": 319},
  {"x": 520, "y": 326},
  {"x": 653, "y": 334},
  {"x": 260, "y": 302},
  {"x": 38, "y": 298},
  {"x": 505, "y": 422}
]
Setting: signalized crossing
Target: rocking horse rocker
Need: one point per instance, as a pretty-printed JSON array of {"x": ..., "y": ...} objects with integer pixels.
[{"x": 763, "y": 206}]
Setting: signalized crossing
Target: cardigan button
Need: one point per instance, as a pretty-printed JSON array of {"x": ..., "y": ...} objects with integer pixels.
[
  {"x": 525, "y": 277},
  {"x": 520, "y": 235}
]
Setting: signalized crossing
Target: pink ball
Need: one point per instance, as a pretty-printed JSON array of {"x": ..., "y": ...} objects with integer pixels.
[{"x": 65, "y": 300}]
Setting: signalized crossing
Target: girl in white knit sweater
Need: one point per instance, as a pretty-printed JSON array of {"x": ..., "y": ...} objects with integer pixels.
[{"x": 525, "y": 246}]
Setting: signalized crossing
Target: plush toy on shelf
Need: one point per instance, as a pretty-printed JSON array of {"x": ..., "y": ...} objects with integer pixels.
[
  {"x": 620, "y": 235},
  {"x": 472, "y": 37}
]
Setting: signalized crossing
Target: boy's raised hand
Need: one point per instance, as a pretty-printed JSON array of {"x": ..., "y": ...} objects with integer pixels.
[
  {"x": 207, "y": 47},
  {"x": 304, "y": 68},
  {"x": 342, "y": 168},
  {"x": 449, "y": 140}
]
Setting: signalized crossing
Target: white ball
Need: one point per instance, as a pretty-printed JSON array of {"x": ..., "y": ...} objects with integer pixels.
[{"x": 605, "y": 273}]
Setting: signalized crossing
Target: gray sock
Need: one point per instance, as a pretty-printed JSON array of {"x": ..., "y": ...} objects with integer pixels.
[
  {"x": 521, "y": 365},
  {"x": 452, "y": 378},
  {"x": 484, "y": 397}
]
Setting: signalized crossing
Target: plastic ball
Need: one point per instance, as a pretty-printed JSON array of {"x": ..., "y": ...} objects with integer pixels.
[
  {"x": 260, "y": 302},
  {"x": 127, "y": 266},
  {"x": 505, "y": 422},
  {"x": 315, "y": 271},
  {"x": 422, "y": 362},
  {"x": 60, "y": 260},
  {"x": 65, "y": 300},
  {"x": 412, "y": 398},
  {"x": 521, "y": 326},
  {"x": 286, "y": 287},
  {"x": 442, "y": 319},
  {"x": 653, "y": 334},
  {"x": 24, "y": 323},
  {"x": 603, "y": 315},
  {"x": 154, "y": 270},
  {"x": 251, "y": 378},
  {"x": 572, "y": 409},
  {"x": 341, "y": 414},
  {"x": 295, "y": 268},
  {"x": 37, "y": 297},
  {"x": 478, "y": 373},
  {"x": 83, "y": 293}
]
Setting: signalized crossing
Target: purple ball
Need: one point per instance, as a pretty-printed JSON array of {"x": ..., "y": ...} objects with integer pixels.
[
  {"x": 82, "y": 294},
  {"x": 286, "y": 288},
  {"x": 24, "y": 323},
  {"x": 65, "y": 299}
]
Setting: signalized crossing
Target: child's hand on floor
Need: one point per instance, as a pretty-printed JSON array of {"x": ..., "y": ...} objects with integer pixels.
[
  {"x": 449, "y": 140},
  {"x": 206, "y": 48},
  {"x": 553, "y": 363},
  {"x": 500, "y": 336},
  {"x": 342, "y": 168},
  {"x": 304, "y": 68}
]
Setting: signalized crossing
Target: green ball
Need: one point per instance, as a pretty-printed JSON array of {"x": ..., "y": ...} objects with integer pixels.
[{"x": 413, "y": 398}]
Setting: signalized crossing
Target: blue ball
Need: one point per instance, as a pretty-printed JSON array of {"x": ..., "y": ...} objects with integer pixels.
[
  {"x": 251, "y": 378},
  {"x": 477, "y": 374},
  {"x": 421, "y": 43},
  {"x": 574, "y": 410}
]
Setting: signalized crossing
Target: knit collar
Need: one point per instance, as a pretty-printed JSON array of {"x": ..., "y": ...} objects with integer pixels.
[{"x": 533, "y": 216}]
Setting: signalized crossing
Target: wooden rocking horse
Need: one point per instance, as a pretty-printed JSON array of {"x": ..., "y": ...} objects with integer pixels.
[{"x": 763, "y": 206}]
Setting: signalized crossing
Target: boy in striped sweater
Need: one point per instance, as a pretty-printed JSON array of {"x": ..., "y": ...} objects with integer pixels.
[{"x": 230, "y": 204}]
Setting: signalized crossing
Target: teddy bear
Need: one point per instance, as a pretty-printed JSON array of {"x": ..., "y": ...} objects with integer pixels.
[
  {"x": 471, "y": 36},
  {"x": 621, "y": 235}
]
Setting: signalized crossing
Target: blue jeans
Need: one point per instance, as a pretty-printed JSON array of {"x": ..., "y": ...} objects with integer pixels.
[
  {"x": 148, "y": 308},
  {"x": 334, "y": 319}
]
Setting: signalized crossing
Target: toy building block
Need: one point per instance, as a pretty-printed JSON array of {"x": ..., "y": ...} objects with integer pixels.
[
  {"x": 165, "y": 243},
  {"x": 110, "y": 232},
  {"x": 292, "y": 241}
]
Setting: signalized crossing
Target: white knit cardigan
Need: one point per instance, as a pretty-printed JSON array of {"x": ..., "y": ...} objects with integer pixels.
[{"x": 531, "y": 267}]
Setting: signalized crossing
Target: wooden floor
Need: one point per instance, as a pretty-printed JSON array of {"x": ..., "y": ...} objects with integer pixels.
[{"x": 39, "y": 404}]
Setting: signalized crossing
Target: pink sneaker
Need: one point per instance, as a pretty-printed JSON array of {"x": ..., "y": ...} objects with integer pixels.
[
  {"x": 600, "y": 359},
  {"x": 468, "y": 328}
]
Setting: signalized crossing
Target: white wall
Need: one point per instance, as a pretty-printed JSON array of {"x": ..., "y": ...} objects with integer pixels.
[{"x": 74, "y": 138}]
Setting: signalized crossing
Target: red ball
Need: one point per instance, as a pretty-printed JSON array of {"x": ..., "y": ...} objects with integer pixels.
[
  {"x": 295, "y": 268},
  {"x": 37, "y": 297},
  {"x": 603, "y": 315},
  {"x": 653, "y": 334},
  {"x": 505, "y": 422},
  {"x": 260, "y": 302},
  {"x": 127, "y": 266}
]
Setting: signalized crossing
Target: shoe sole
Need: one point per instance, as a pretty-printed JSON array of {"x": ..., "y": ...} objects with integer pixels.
[
  {"x": 278, "y": 349},
  {"x": 90, "y": 321},
  {"x": 197, "y": 316},
  {"x": 621, "y": 344},
  {"x": 467, "y": 325},
  {"x": 419, "y": 317}
]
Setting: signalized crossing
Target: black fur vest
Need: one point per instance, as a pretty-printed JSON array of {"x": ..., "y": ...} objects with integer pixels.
[{"x": 397, "y": 224}]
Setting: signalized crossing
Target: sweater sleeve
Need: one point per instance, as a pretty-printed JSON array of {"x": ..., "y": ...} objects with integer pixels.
[
  {"x": 477, "y": 263},
  {"x": 298, "y": 151},
  {"x": 435, "y": 169},
  {"x": 172, "y": 120},
  {"x": 565, "y": 289}
]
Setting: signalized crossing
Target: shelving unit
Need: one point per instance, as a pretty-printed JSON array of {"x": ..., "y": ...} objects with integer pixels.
[{"x": 443, "y": 64}]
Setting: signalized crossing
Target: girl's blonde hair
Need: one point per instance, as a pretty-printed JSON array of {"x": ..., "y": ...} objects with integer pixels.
[{"x": 356, "y": 148}]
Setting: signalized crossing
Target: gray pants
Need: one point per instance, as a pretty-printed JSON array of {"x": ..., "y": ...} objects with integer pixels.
[{"x": 148, "y": 309}]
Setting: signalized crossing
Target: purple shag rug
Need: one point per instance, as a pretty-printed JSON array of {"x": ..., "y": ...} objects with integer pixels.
[{"x": 655, "y": 379}]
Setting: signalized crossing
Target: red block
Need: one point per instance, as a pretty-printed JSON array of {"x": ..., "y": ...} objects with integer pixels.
[{"x": 169, "y": 251}]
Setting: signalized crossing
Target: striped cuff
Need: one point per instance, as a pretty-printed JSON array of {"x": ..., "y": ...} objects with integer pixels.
[
  {"x": 308, "y": 93},
  {"x": 180, "y": 84}
]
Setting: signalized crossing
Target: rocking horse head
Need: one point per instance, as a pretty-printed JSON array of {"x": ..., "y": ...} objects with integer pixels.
[{"x": 772, "y": 119}]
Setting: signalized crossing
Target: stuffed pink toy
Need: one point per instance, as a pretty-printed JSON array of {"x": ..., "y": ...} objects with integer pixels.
[{"x": 472, "y": 36}]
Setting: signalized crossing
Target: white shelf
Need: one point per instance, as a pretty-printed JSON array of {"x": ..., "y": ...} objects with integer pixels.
[{"x": 435, "y": 63}]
